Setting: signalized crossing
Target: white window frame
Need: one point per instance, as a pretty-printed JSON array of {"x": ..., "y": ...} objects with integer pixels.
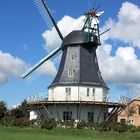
[
  {"x": 73, "y": 56},
  {"x": 68, "y": 91},
  {"x": 93, "y": 92},
  {"x": 70, "y": 73},
  {"x": 88, "y": 92}
]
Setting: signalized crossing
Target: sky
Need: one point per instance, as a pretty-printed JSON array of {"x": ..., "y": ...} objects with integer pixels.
[{"x": 25, "y": 39}]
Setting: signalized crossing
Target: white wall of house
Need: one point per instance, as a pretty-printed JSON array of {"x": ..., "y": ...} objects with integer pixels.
[
  {"x": 79, "y": 113},
  {"x": 78, "y": 93}
]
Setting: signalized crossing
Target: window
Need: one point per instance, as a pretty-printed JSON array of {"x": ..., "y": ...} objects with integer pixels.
[
  {"x": 67, "y": 115},
  {"x": 93, "y": 92},
  {"x": 123, "y": 121},
  {"x": 73, "y": 57},
  {"x": 68, "y": 91},
  {"x": 87, "y": 92},
  {"x": 71, "y": 72},
  {"x": 90, "y": 116}
]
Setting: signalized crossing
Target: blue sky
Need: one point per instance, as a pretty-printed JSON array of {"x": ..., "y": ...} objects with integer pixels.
[{"x": 21, "y": 29}]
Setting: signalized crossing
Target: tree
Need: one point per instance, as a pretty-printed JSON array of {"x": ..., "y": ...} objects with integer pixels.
[
  {"x": 21, "y": 111},
  {"x": 25, "y": 108},
  {"x": 3, "y": 109}
]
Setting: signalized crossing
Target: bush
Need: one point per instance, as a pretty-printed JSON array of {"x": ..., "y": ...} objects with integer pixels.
[
  {"x": 114, "y": 126},
  {"x": 7, "y": 121},
  {"x": 138, "y": 128},
  {"x": 103, "y": 127},
  {"x": 68, "y": 124},
  {"x": 11, "y": 121},
  {"x": 122, "y": 128},
  {"x": 134, "y": 129},
  {"x": 81, "y": 124},
  {"x": 49, "y": 124}
]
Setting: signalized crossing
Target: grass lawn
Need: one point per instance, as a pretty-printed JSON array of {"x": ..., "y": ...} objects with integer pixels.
[{"x": 63, "y": 134}]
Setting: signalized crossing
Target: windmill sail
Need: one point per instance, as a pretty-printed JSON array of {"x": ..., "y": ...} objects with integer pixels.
[
  {"x": 36, "y": 70},
  {"x": 45, "y": 13},
  {"x": 37, "y": 67}
]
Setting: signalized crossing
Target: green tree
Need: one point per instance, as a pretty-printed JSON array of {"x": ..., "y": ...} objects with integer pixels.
[
  {"x": 3, "y": 109},
  {"x": 25, "y": 108},
  {"x": 21, "y": 111}
]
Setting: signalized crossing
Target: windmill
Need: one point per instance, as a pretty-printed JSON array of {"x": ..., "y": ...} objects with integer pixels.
[{"x": 79, "y": 79}]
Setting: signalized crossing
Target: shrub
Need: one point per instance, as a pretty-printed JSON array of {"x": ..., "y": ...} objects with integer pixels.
[
  {"x": 134, "y": 129},
  {"x": 68, "y": 124},
  {"x": 81, "y": 124},
  {"x": 122, "y": 128},
  {"x": 138, "y": 128},
  {"x": 114, "y": 126},
  {"x": 12, "y": 121},
  {"x": 103, "y": 127},
  {"x": 49, "y": 124}
]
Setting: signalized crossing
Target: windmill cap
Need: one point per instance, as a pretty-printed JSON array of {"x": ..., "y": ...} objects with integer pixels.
[{"x": 80, "y": 37}]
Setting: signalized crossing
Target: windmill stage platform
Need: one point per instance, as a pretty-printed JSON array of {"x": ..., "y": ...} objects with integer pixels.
[
  {"x": 109, "y": 104},
  {"x": 43, "y": 107}
]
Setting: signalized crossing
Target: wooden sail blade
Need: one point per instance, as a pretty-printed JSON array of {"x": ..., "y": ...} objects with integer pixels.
[
  {"x": 42, "y": 61},
  {"x": 44, "y": 11}
]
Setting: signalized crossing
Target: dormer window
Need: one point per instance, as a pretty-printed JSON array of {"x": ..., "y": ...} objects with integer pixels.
[
  {"x": 71, "y": 72},
  {"x": 73, "y": 56}
]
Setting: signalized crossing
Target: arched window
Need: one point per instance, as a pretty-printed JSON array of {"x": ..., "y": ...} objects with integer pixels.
[{"x": 71, "y": 72}]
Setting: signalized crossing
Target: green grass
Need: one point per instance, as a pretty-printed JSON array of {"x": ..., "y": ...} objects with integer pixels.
[{"x": 63, "y": 134}]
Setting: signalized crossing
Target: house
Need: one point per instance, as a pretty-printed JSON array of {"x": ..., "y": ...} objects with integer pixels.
[{"x": 131, "y": 113}]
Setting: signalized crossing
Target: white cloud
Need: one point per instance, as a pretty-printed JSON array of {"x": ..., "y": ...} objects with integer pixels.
[
  {"x": 15, "y": 67},
  {"x": 126, "y": 28},
  {"x": 66, "y": 25},
  {"x": 10, "y": 67},
  {"x": 123, "y": 67}
]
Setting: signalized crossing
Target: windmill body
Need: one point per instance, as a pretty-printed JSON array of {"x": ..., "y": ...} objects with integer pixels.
[
  {"x": 78, "y": 91},
  {"x": 79, "y": 81},
  {"x": 78, "y": 73}
]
